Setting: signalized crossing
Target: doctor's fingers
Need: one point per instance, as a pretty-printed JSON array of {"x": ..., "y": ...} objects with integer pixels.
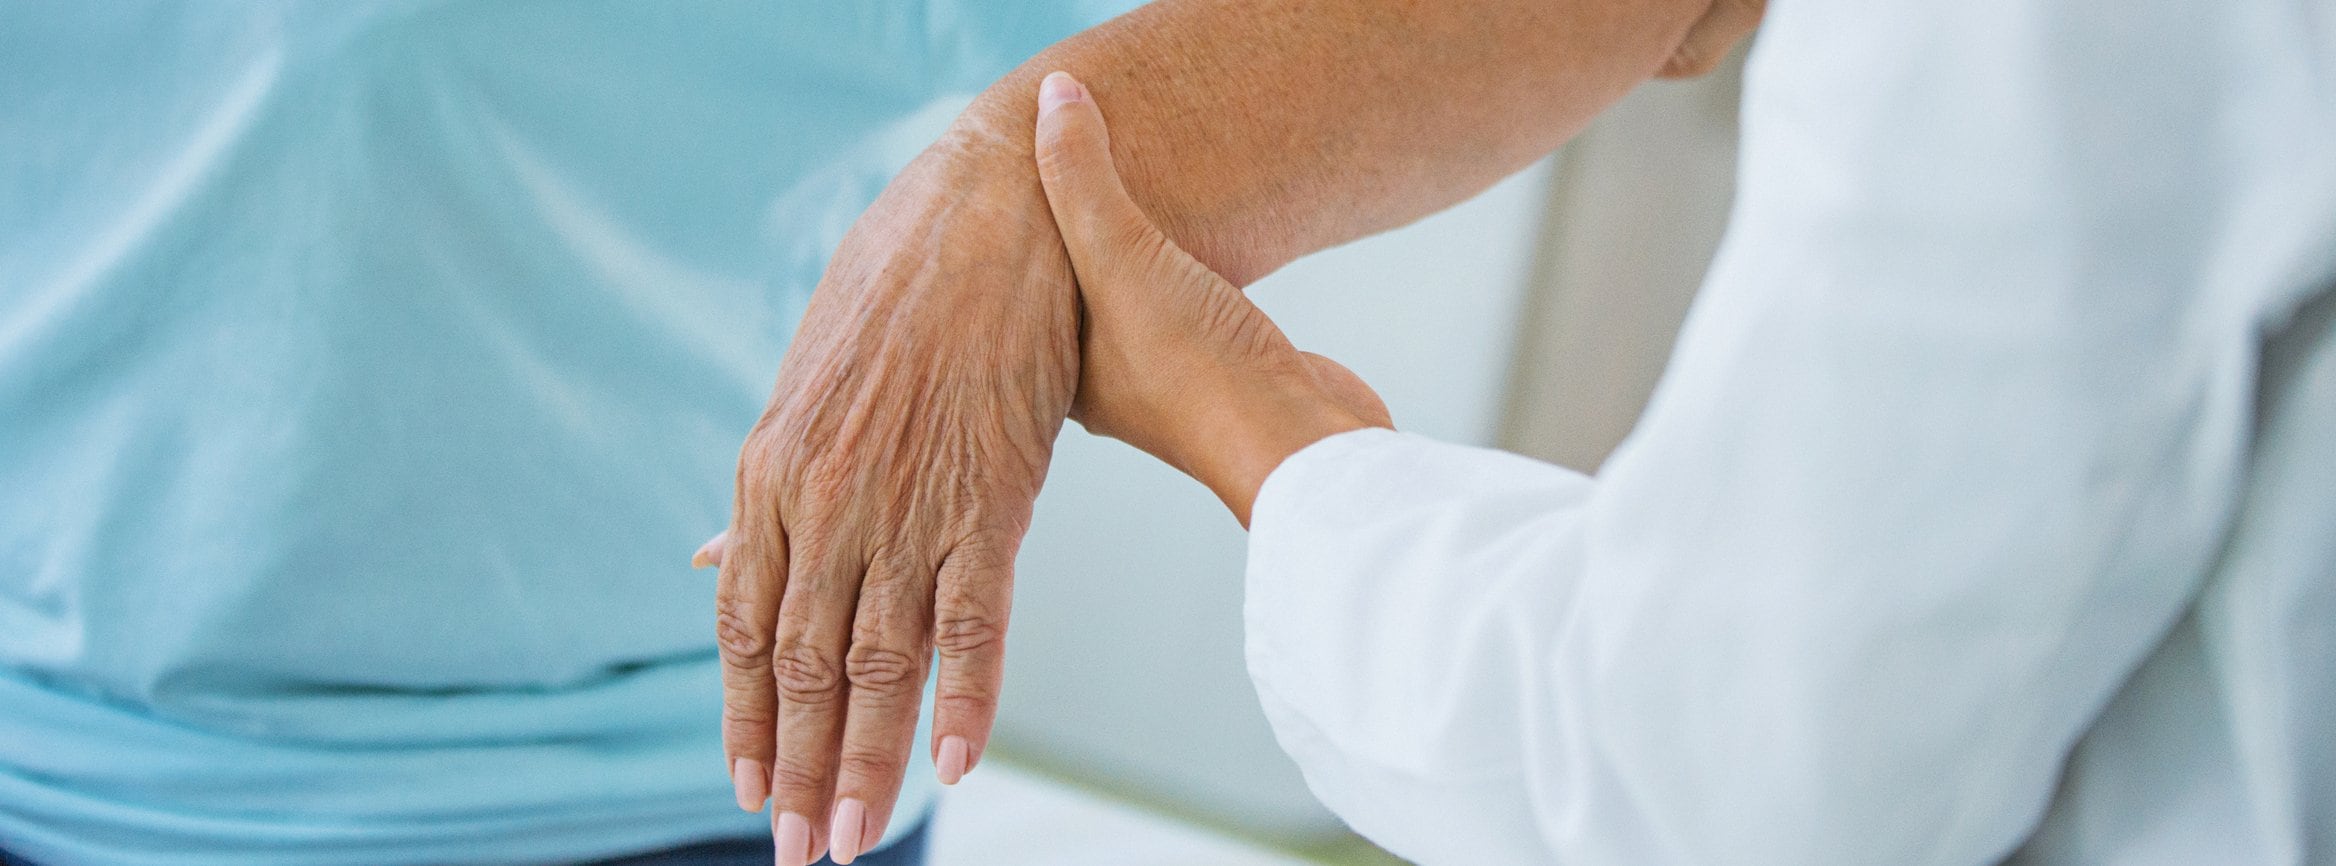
[
  {"x": 1708, "y": 42},
  {"x": 1133, "y": 279},
  {"x": 1111, "y": 241}
]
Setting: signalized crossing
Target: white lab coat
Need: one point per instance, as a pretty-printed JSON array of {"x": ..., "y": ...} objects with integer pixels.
[{"x": 1987, "y": 511}]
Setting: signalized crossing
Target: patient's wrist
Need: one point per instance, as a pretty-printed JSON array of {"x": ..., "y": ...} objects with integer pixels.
[{"x": 1206, "y": 216}]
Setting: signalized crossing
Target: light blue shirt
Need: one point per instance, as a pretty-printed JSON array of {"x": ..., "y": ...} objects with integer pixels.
[{"x": 368, "y": 372}]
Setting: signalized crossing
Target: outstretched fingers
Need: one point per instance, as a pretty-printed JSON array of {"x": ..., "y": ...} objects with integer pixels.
[
  {"x": 972, "y": 597},
  {"x": 746, "y": 605},
  {"x": 807, "y": 665},
  {"x": 885, "y": 672}
]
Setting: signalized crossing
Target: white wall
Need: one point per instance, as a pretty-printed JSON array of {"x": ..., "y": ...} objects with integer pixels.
[
  {"x": 1636, "y": 212},
  {"x": 1125, "y": 662}
]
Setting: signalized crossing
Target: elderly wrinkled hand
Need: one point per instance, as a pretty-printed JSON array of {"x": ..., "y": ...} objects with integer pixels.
[
  {"x": 904, "y": 445},
  {"x": 1174, "y": 359},
  {"x": 883, "y": 495}
]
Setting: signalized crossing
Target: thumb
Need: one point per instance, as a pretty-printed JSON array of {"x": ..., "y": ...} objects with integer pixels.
[
  {"x": 711, "y": 552},
  {"x": 1091, "y": 207}
]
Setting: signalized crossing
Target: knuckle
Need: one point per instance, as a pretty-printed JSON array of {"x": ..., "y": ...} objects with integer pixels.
[
  {"x": 743, "y": 642},
  {"x": 965, "y": 698},
  {"x": 964, "y": 633},
  {"x": 881, "y": 670},
  {"x": 793, "y": 776},
  {"x": 806, "y": 675},
  {"x": 966, "y": 702},
  {"x": 870, "y": 765},
  {"x": 741, "y": 720}
]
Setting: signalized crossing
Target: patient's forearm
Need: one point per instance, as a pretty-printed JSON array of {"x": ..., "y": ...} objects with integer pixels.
[{"x": 1256, "y": 131}]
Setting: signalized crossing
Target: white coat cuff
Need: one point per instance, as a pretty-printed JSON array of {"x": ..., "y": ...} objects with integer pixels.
[{"x": 1390, "y": 580}]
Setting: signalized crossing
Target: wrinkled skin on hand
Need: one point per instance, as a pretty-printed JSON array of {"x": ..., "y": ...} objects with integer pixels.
[{"x": 883, "y": 495}]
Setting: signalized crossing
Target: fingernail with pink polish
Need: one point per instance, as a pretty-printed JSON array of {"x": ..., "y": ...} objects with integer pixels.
[
  {"x": 791, "y": 839},
  {"x": 752, "y": 783},
  {"x": 951, "y": 765},
  {"x": 705, "y": 555},
  {"x": 843, "y": 834}
]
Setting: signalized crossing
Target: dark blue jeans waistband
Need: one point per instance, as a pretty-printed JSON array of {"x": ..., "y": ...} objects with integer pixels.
[{"x": 908, "y": 850}]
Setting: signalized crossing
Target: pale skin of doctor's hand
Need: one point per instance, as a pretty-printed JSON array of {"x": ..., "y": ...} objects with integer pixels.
[
  {"x": 881, "y": 499},
  {"x": 1173, "y": 359}
]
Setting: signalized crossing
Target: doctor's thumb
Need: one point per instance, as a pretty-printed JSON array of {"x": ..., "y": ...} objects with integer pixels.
[{"x": 1100, "y": 224}]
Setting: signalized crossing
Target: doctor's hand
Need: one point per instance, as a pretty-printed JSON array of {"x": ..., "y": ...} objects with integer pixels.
[{"x": 1174, "y": 360}]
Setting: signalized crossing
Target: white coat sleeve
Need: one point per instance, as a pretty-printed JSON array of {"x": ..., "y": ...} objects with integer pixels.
[{"x": 1946, "y": 446}]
